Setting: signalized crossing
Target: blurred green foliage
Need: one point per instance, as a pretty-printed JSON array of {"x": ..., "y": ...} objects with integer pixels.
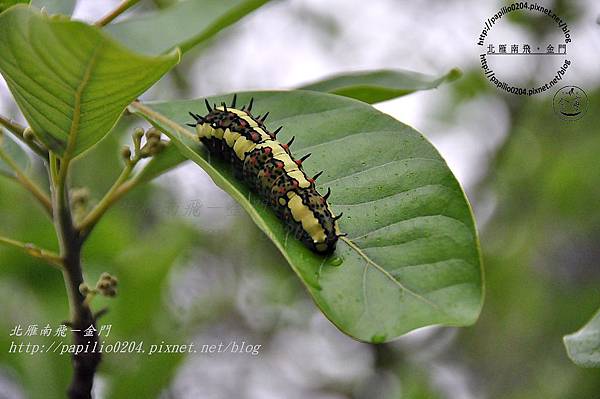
[{"x": 541, "y": 255}]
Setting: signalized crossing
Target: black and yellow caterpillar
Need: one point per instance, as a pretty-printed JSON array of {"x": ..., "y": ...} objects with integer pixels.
[{"x": 269, "y": 169}]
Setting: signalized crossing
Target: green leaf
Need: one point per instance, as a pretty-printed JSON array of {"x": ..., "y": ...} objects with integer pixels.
[
  {"x": 412, "y": 255},
  {"x": 182, "y": 25},
  {"x": 64, "y": 7},
  {"x": 167, "y": 159},
  {"x": 376, "y": 86},
  {"x": 70, "y": 80},
  {"x": 583, "y": 346},
  {"x": 5, "y": 4}
]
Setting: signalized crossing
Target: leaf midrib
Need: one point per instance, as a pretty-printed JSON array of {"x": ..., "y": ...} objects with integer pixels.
[
  {"x": 85, "y": 79},
  {"x": 389, "y": 276}
]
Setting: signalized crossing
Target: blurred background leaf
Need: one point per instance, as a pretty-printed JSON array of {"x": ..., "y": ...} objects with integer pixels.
[
  {"x": 64, "y": 7},
  {"x": 4, "y": 4},
  {"x": 377, "y": 86},
  {"x": 583, "y": 346},
  {"x": 184, "y": 24}
]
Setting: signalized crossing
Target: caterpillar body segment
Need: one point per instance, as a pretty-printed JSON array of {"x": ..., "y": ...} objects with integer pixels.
[{"x": 269, "y": 169}]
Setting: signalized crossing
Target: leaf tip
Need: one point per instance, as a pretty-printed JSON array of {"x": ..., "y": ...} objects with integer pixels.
[
  {"x": 454, "y": 74},
  {"x": 378, "y": 338}
]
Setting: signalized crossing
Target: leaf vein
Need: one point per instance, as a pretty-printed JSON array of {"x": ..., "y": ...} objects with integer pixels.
[
  {"x": 389, "y": 276},
  {"x": 73, "y": 131}
]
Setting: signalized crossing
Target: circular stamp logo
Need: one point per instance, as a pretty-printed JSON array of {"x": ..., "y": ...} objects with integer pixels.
[
  {"x": 519, "y": 63},
  {"x": 570, "y": 103}
]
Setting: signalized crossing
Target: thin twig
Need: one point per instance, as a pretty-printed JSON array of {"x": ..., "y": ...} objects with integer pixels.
[
  {"x": 37, "y": 192},
  {"x": 52, "y": 258},
  {"x": 121, "y": 8},
  {"x": 118, "y": 189},
  {"x": 100, "y": 313},
  {"x": 163, "y": 119},
  {"x": 19, "y": 132},
  {"x": 124, "y": 183}
]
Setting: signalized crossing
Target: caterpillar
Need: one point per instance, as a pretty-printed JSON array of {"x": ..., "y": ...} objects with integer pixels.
[{"x": 269, "y": 169}]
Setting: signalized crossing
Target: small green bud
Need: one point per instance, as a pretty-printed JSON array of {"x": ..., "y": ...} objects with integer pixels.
[
  {"x": 145, "y": 152},
  {"x": 80, "y": 196},
  {"x": 28, "y": 134},
  {"x": 153, "y": 147},
  {"x": 126, "y": 153},
  {"x": 84, "y": 289},
  {"x": 137, "y": 135},
  {"x": 153, "y": 134},
  {"x": 107, "y": 284}
]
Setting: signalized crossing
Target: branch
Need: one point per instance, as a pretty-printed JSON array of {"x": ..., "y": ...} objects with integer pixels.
[
  {"x": 121, "y": 8},
  {"x": 35, "y": 251},
  {"x": 27, "y": 183},
  {"x": 70, "y": 245},
  {"x": 19, "y": 132},
  {"x": 84, "y": 364}
]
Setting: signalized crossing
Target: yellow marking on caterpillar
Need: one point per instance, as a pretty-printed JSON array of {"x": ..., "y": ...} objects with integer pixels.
[
  {"x": 250, "y": 121},
  {"x": 234, "y": 110},
  {"x": 230, "y": 137},
  {"x": 241, "y": 114},
  {"x": 244, "y": 115},
  {"x": 243, "y": 146},
  {"x": 302, "y": 214},
  {"x": 204, "y": 130}
]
